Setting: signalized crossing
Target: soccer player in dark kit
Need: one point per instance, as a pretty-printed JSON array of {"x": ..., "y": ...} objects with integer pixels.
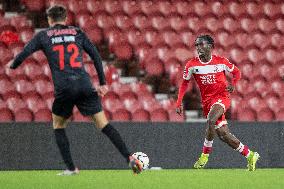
[{"x": 63, "y": 46}]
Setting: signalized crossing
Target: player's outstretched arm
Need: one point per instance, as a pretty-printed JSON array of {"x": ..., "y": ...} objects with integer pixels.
[
  {"x": 30, "y": 48},
  {"x": 90, "y": 48},
  {"x": 181, "y": 92},
  {"x": 236, "y": 77}
]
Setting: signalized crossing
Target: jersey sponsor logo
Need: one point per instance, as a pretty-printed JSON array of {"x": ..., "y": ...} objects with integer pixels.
[
  {"x": 208, "y": 79},
  {"x": 209, "y": 69},
  {"x": 57, "y": 32}
]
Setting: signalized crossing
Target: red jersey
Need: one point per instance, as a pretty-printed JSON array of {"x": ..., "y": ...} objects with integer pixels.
[{"x": 210, "y": 77}]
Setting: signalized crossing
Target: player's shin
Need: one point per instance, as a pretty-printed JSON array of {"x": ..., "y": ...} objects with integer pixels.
[
  {"x": 207, "y": 146},
  {"x": 116, "y": 139},
  {"x": 63, "y": 145},
  {"x": 243, "y": 149}
]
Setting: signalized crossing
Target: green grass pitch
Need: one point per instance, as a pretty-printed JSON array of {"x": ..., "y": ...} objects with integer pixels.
[{"x": 162, "y": 179}]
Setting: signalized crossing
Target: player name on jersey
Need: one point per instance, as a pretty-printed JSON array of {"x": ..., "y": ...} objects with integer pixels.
[{"x": 63, "y": 39}]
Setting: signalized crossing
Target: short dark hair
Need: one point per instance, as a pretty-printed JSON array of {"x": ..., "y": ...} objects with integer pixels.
[
  {"x": 207, "y": 38},
  {"x": 57, "y": 13}
]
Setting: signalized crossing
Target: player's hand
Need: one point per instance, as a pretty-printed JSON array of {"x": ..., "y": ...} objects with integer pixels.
[
  {"x": 179, "y": 110},
  {"x": 102, "y": 90},
  {"x": 230, "y": 88},
  {"x": 9, "y": 65}
]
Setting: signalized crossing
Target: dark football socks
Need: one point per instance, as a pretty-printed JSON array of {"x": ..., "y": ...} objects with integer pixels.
[
  {"x": 63, "y": 145},
  {"x": 116, "y": 139}
]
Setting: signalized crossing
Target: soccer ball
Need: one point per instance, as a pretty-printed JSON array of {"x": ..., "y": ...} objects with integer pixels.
[{"x": 143, "y": 158}]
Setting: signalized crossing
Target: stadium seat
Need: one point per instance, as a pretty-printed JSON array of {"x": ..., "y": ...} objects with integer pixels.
[
  {"x": 243, "y": 40},
  {"x": 278, "y": 87},
  {"x": 166, "y": 8},
  {"x": 153, "y": 38},
  {"x": 195, "y": 24},
  {"x": 248, "y": 25},
  {"x": 7, "y": 88},
  {"x": 15, "y": 75},
  {"x": 6, "y": 115},
  {"x": 44, "y": 88},
  {"x": 244, "y": 87},
  {"x": 159, "y": 22},
  {"x": 123, "y": 22},
  {"x": 121, "y": 115},
  {"x": 266, "y": 26},
  {"x": 114, "y": 36},
  {"x": 280, "y": 115},
  {"x": 5, "y": 54},
  {"x": 26, "y": 35},
  {"x": 225, "y": 39},
  {"x": 171, "y": 38},
  {"x": 256, "y": 103},
  {"x": 140, "y": 115},
  {"x": 265, "y": 115},
  {"x": 141, "y": 22},
  {"x": 218, "y": 9},
  {"x": 183, "y": 53},
  {"x": 237, "y": 55},
  {"x": 253, "y": 9},
  {"x": 173, "y": 116},
  {"x": 201, "y": 8},
  {"x": 20, "y": 21},
  {"x": 159, "y": 115},
  {"x": 123, "y": 51},
  {"x": 25, "y": 88},
  {"x": 260, "y": 40},
  {"x": 148, "y": 7},
  {"x": 255, "y": 55},
  {"x": 188, "y": 38},
  {"x": 230, "y": 25},
  {"x": 85, "y": 20},
  {"x": 246, "y": 115},
  {"x": 42, "y": 115},
  {"x": 183, "y": 8},
  {"x": 112, "y": 6},
  {"x": 35, "y": 5},
  {"x": 236, "y": 9},
  {"x": 276, "y": 40},
  {"x": 77, "y": 7},
  {"x": 104, "y": 21},
  {"x": 272, "y": 56},
  {"x": 112, "y": 105},
  {"x": 23, "y": 115},
  {"x": 261, "y": 86},
  {"x": 49, "y": 3},
  {"x": 280, "y": 25},
  {"x": 213, "y": 24},
  {"x": 268, "y": 72},
  {"x": 135, "y": 37},
  {"x": 143, "y": 52},
  {"x": 34, "y": 72},
  {"x": 95, "y": 6},
  {"x": 269, "y": 6},
  {"x": 155, "y": 67},
  {"x": 164, "y": 53},
  {"x": 274, "y": 103},
  {"x": 34, "y": 104},
  {"x": 132, "y": 104},
  {"x": 177, "y": 23},
  {"x": 131, "y": 7},
  {"x": 39, "y": 57}
]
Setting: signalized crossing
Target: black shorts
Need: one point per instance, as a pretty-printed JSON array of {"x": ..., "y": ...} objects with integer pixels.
[{"x": 86, "y": 99}]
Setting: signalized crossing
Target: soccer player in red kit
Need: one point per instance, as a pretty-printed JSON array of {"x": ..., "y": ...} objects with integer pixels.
[{"x": 208, "y": 71}]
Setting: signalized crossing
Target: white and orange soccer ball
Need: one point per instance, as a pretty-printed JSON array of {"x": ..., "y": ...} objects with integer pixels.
[{"x": 143, "y": 158}]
